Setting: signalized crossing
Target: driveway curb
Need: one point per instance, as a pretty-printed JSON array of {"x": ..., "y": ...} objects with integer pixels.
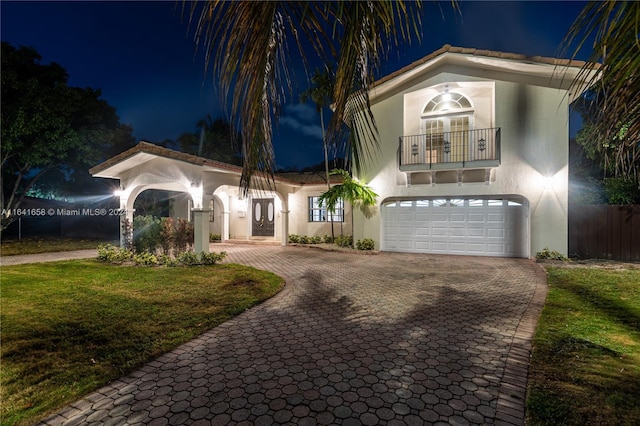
[{"x": 511, "y": 406}]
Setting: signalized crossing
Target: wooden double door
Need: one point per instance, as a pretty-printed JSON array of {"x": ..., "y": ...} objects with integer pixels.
[{"x": 263, "y": 217}]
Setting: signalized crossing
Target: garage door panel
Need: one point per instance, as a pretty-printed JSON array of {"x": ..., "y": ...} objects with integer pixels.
[
  {"x": 475, "y": 232},
  {"x": 489, "y": 228},
  {"x": 457, "y": 231},
  {"x": 420, "y": 231},
  {"x": 495, "y": 233},
  {"x": 439, "y": 246},
  {"x": 457, "y": 217},
  {"x": 476, "y": 218},
  {"x": 423, "y": 245},
  {"x": 495, "y": 217},
  {"x": 438, "y": 231},
  {"x": 439, "y": 217},
  {"x": 476, "y": 248}
]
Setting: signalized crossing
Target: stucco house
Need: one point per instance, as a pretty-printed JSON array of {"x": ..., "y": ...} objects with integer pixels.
[{"x": 473, "y": 161}]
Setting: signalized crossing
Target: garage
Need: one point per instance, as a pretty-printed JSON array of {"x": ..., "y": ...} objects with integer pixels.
[{"x": 496, "y": 226}]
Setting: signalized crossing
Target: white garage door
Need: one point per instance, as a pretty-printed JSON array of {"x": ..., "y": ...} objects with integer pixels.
[{"x": 468, "y": 226}]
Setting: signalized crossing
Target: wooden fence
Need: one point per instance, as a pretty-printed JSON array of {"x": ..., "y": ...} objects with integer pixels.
[{"x": 605, "y": 232}]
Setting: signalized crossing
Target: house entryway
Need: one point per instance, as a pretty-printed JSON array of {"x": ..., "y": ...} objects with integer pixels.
[
  {"x": 262, "y": 217},
  {"x": 468, "y": 226}
]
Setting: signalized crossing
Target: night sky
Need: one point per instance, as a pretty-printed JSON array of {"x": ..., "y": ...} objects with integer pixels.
[{"x": 143, "y": 57}]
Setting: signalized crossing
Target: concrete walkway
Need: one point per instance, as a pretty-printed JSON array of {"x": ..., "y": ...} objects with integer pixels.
[
  {"x": 47, "y": 257},
  {"x": 352, "y": 339}
]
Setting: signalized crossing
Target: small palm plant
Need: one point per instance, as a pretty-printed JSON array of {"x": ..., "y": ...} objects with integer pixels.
[{"x": 352, "y": 191}]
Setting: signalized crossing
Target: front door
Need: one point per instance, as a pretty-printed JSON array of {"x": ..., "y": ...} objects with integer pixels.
[{"x": 262, "y": 215}]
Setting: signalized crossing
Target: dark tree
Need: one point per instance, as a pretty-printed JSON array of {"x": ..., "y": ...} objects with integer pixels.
[{"x": 50, "y": 130}]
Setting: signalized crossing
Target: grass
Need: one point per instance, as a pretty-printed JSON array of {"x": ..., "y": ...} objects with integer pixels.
[
  {"x": 585, "y": 366},
  {"x": 70, "y": 327},
  {"x": 45, "y": 245}
]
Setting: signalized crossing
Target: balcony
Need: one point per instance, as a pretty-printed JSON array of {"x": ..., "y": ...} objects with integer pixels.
[{"x": 471, "y": 149}]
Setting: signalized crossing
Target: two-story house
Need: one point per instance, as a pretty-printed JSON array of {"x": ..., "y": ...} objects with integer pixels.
[{"x": 473, "y": 160}]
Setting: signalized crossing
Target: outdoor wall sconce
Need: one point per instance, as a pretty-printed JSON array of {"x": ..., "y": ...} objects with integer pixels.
[
  {"x": 482, "y": 144},
  {"x": 196, "y": 194},
  {"x": 414, "y": 149},
  {"x": 447, "y": 147},
  {"x": 119, "y": 192},
  {"x": 446, "y": 96}
]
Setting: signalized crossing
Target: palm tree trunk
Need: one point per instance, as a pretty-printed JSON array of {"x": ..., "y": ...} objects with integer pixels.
[{"x": 326, "y": 167}]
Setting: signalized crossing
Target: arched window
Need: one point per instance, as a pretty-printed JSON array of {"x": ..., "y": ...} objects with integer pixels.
[{"x": 446, "y": 102}]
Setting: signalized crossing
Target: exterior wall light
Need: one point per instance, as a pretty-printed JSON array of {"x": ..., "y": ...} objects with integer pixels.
[
  {"x": 446, "y": 96},
  {"x": 196, "y": 193},
  {"x": 447, "y": 147},
  {"x": 414, "y": 149},
  {"x": 119, "y": 192},
  {"x": 482, "y": 144}
]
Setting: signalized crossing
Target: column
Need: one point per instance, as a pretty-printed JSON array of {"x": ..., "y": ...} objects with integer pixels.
[{"x": 200, "y": 230}]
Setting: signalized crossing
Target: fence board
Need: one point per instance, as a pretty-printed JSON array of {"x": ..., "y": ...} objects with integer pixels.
[{"x": 605, "y": 232}]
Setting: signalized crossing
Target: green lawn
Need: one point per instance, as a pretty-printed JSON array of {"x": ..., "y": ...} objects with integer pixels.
[
  {"x": 70, "y": 327},
  {"x": 586, "y": 358},
  {"x": 45, "y": 245}
]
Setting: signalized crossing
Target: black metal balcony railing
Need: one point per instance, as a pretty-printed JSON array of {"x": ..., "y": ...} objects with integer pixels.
[{"x": 465, "y": 149}]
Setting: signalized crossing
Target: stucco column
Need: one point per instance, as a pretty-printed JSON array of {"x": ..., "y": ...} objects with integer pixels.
[
  {"x": 285, "y": 227},
  {"x": 200, "y": 230},
  {"x": 225, "y": 225}
]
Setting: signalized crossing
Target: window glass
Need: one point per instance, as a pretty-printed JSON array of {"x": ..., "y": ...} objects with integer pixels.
[
  {"x": 422, "y": 203},
  {"x": 440, "y": 202},
  {"x": 406, "y": 203},
  {"x": 447, "y": 101},
  {"x": 495, "y": 203},
  {"x": 456, "y": 202},
  {"x": 320, "y": 214},
  {"x": 476, "y": 203}
]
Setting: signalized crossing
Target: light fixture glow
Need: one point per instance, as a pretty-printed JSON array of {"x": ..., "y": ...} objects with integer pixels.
[{"x": 446, "y": 96}]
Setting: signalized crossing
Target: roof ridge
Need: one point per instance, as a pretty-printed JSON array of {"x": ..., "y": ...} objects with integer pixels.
[{"x": 447, "y": 48}]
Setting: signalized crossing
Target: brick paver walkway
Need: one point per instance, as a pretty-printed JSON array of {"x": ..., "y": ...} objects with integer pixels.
[{"x": 352, "y": 340}]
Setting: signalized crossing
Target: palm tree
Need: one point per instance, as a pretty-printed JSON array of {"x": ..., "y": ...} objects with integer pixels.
[
  {"x": 612, "y": 72},
  {"x": 322, "y": 95},
  {"x": 246, "y": 42},
  {"x": 351, "y": 190}
]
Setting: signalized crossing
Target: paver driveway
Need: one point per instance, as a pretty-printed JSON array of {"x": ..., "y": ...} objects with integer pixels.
[{"x": 352, "y": 339}]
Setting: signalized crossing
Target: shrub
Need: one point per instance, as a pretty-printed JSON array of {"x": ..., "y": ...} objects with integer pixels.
[
  {"x": 328, "y": 239},
  {"x": 366, "y": 244},
  {"x": 315, "y": 239},
  {"x": 294, "y": 239},
  {"x": 551, "y": 255},
  {"x": 188, "y": 258},
  {"x": 212, "y": 258},
  {"x": 145, "y": 259},
  {"x": 112, "y": 254},
  {"x": 344, "y": 241},
  {"x": 167, "y": 234},
  {"x": 304, "y": 239},
  {"x": 167, "y": 260},
  {"x": 183, "y": 235},
  {"x": 215, "y": 237},
  {"x": 146, "y": 233}
]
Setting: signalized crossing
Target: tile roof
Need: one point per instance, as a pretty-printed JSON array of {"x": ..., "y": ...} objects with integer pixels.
[
  {"x": 447, "y": 48},
  {"x": 300, "y": 178},
  {"x": 161, "y": 151}
]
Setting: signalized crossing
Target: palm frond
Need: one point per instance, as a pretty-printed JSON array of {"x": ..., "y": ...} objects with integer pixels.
[
  {"x": 246, "y": 44},
  {"x": 612, "y": 71}
]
